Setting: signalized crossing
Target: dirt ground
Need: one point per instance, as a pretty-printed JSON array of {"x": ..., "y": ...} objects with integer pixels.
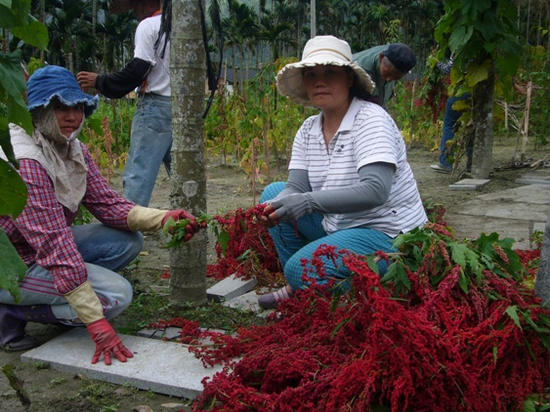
[{"x": 227, "y": 188}]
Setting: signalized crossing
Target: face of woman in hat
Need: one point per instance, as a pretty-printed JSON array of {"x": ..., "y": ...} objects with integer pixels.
[
  {"x": 328, "y": 86},
  {"x": 68, "y": 118}
]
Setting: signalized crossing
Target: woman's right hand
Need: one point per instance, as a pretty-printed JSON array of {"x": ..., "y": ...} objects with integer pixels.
[{"x": 269, "y": 218}]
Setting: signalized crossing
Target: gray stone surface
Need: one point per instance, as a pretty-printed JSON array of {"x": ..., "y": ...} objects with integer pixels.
[
  {"x": 517, "y": 213},
  {"x": 469, "y": 184},
  {"x": 169, "y": 333},
  {"x": 230, "y": 288},
  {"x": 542, "y": 282},
  {"x": 163, "y": 367},
  {"x": 247, "y": 301}
]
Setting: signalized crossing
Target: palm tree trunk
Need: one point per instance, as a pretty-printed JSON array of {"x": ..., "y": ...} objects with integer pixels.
[{"x": 188, "y": 177}]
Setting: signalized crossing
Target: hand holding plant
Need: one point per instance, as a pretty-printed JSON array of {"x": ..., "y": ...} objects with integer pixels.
[{"x": 182, "y": 226}]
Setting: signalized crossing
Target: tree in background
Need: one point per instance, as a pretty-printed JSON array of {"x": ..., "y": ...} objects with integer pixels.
[{"x": 483, "y": 36}]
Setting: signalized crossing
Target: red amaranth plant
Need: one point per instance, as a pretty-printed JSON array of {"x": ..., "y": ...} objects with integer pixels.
[
  {"x": 462, "y": 333},
  {"x": 245, "y": 248}
]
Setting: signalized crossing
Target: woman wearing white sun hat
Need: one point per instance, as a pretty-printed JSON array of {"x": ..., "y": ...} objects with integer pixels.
[{"x": 349, "y": 183}]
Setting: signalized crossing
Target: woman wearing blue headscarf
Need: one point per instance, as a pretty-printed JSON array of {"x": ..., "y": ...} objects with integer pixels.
[{"x": 71, "y": 277}]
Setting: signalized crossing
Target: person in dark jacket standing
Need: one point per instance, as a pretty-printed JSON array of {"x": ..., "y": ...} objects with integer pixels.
[{"x": 149, "y": 72}]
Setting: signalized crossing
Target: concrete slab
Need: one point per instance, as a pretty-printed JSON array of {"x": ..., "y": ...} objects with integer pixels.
[
  {"x": 524, "y": 194},
  {"x": 519, "y": 230},
  {"x": 158, "y": 366},
  {"x": 169, "y": 333},
  {"x": 533, "y": 180},
  {"x": 469, "y": 184},
  {"x": 248, "y": 302},
  {"x": 463, "y": 187},
  {"x": 515, "y": 211},
  {"x": 230, "y": 288}
]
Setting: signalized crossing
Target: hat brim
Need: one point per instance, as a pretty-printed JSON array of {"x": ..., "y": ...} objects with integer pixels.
[
  {"x": 70, "y": 97},
  {"x": 290, "y": 80},
  {"x": 119, "y": 6}
]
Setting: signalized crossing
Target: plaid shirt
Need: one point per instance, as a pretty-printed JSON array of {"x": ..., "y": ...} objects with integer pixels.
[{"x": 42, "y": 232}]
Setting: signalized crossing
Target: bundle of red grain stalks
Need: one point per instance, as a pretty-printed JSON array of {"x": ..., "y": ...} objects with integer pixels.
[{"x": 452, "y": 326}]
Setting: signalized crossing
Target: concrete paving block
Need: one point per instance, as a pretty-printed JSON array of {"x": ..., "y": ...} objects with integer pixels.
[
  {"x": 524, "y": 194},
  {"x": 248, "y": 302},
  {"x": 469, "y": 184},
  {"x": 230, "y": 288},
  {"x": 518, "y": 230},
  {"x": 463, "y": 187},
  {"x": 169, "y": 333},
  {"x": 158, "y": 366},
  {"x": 539, "y": 227},
  {"x": 532, "y": 180}
]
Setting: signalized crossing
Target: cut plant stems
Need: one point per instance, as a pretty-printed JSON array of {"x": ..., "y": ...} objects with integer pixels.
[{"x": 179, "y": 232}]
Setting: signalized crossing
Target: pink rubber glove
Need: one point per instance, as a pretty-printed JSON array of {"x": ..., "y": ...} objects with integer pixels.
[
  {"x": 191, "y": 228},
  {"x": 107, "y": 341}
]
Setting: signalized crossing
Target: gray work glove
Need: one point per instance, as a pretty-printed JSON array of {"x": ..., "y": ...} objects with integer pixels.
[{"x": 293, "y": 206}]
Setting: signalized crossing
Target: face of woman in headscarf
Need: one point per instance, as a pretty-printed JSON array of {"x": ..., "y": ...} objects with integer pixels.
[{"x": 68, "y": 118}]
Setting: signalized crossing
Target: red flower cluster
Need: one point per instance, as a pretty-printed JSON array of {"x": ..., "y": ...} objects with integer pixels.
[
  {"x": 245, "y": 248},
  {"x": 450, "y": 341}
]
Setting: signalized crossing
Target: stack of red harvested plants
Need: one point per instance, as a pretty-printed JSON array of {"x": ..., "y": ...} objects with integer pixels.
[{"x": 452, "y": 326}]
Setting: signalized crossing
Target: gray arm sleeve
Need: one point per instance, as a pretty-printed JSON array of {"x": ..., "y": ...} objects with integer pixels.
[
  {"x": 372, "y": 191},
  {"x": 298, "y": 182}
]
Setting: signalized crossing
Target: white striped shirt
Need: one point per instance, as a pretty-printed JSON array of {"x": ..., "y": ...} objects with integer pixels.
[{"x": 367, "y": 135}]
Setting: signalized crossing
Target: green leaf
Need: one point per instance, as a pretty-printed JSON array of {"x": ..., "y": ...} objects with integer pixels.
[
  {"x": 20, "y": 115},
  {"x": 223, "y": 240},
  {"x": 12, "y": 268},
  {"x": 13, "y": 191},
  {"x": 463, "y": 282},
  {"x": 529, "y": 406},
  {"x": 12, "y": 80},
  {"x": 397, "y": 274},
  {"x": 458, "y": 253},
  {"x": 512, "y": 311},
  {"x": 5, "y": 142},
  {"x": 477, "y": 73},
  {"x": 33, "y": 33}
]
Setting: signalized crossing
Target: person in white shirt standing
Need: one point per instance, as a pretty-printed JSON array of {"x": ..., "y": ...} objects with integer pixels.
[
  {"x": 149, "y": 72},
  {"x": 349, "y": 183}
]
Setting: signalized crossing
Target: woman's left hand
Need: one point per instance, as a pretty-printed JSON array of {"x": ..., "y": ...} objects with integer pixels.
[{"x": 292, "y": 206}]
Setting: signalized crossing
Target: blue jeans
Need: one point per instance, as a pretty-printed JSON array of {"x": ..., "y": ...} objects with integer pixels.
[
  {"x": 150, "y": 145},
  {"x": 295, "y": 242},
  {"x": 105, "y": 250},
  {"x": 449, "y": 121}
]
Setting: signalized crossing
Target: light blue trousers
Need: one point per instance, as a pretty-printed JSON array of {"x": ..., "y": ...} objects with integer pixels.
[
  {"x": 297, "y": 241},
  {"x": 150, "y": 145},
  {"x": 105, "y": 250}
]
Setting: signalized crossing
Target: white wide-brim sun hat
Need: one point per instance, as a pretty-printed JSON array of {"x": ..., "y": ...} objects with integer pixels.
[{"x": 321, "y": 50}]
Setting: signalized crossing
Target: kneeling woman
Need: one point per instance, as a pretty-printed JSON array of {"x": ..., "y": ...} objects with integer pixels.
[
  {"x": 349, "y": 183},
  {"x": 71, "y": 277}
]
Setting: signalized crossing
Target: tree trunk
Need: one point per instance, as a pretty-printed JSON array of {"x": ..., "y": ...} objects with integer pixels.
[
  {"x": 482, "y": 114},
  {"x": 542, "y": 282},
  {"x": 188, "y": 177}
]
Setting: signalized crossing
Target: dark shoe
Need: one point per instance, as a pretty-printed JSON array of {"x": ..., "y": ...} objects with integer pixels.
[
  {"x": 271, "y": 300},
  {"x": 13, "y": 320},
  {"x": 439, "y": 168}
]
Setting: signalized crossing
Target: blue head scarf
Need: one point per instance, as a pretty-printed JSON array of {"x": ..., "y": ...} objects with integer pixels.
[{"x": 55, "y": 81}]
